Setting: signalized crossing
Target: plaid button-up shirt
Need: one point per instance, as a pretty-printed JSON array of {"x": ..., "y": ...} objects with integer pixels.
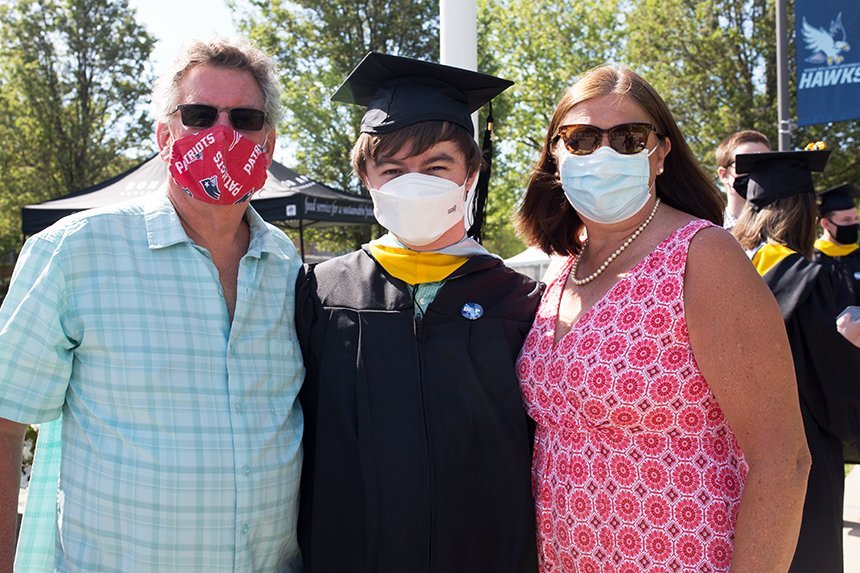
[{"x": 181, "y": 439}]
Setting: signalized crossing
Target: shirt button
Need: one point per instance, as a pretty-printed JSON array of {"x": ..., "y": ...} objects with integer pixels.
[
  {"x": 245, "y": 529},
  {"x": 232, "y": 350},
  {"x": 239, "y": 407},
  {"x": 246, "y": 471}
]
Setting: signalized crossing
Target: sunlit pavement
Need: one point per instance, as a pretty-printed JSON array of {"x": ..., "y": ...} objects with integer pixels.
[
  {"x": 850, "y": 531},
  {"x": 851, "y": 517}
]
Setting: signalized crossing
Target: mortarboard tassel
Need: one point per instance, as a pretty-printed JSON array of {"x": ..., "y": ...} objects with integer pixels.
[{"x": 479, "y": 203}]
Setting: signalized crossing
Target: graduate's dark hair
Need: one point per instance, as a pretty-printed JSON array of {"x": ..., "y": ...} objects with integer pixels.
[
  {"x": 546, "y": 218},
  {"x": 789, "y": 221},
  {"x": 418, "y": 137}
]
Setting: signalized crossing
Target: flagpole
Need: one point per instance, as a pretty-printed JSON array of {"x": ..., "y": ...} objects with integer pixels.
[
  {"x": 458, "y": 37},
  {"x": 785, "y": 124},
  {"x": 458, "y": 46}
]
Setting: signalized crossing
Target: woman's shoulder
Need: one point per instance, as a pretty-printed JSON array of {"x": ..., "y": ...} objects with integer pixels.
[
  {"x": 681, "y": 227},
  {"x": 694, "y": 228},
  {"x": 717, "y": 248},
  {"x": 719, "y": 268}
]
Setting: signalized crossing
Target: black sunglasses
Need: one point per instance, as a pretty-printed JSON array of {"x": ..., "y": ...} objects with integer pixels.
[
  {"x": 627, "y": 138},
  {"x": 201, "y": 115}
]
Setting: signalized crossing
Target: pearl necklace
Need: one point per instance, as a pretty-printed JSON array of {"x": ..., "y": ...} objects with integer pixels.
[{"x": 613, "y": 256}]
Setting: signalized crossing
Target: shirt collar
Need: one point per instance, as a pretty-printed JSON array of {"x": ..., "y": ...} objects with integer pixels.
[
  {"x": 164, "y": 229},
  {"x": 465, "y": 247},
  {"x": 832, "y": 249},
  {"x": 768, "y": 255}
]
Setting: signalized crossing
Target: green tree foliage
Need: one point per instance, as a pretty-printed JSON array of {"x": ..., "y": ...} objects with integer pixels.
[
  {"x": 20, "y": 183},
  {"x": 714, "y": 62},
  {"x": 542, "y": 46},
  {"x": 74, "y": 75},
  {"x": 316, "y": 44}
]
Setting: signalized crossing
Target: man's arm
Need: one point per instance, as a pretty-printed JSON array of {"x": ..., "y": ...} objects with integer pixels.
[{"x": 11, "y": 443}]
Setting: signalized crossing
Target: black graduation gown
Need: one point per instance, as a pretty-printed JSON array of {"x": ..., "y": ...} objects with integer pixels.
[
  {"x": 828, "y": 378},
  {"x": 847, "y": 271},
  {"x": 417, "y": 445}
]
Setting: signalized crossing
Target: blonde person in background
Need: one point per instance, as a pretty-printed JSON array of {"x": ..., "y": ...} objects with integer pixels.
[{"x": 777, "y": 228}]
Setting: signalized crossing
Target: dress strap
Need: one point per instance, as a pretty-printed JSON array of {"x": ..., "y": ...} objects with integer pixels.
[{"x": 686, "y": 233}]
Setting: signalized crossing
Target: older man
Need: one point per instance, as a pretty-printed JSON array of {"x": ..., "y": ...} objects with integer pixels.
[{"x": 162, "y": 330}]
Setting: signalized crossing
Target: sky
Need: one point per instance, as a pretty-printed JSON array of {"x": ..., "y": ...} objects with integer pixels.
[{"x": 173, "y": 22}]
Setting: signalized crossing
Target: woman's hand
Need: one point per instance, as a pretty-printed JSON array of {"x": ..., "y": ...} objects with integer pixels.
[{"x": 849, "y": 327}]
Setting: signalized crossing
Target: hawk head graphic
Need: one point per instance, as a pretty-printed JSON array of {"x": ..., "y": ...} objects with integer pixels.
[{"x": 826, "y": 46}]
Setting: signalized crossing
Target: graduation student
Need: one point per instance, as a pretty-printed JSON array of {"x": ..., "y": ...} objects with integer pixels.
[
  {"x": 837, "y": 247},
  {"x": 777, "y": 227},
  {"x": 417, "y": 446}
]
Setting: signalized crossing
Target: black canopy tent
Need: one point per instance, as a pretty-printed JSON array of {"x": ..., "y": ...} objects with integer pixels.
[{"x": 287, "y": 197}]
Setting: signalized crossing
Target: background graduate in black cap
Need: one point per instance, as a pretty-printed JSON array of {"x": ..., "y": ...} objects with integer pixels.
[
  {"x": 837, "y": 247},
  {"x": 777, "y": 227},
  {"x": 417, "y": 446}
]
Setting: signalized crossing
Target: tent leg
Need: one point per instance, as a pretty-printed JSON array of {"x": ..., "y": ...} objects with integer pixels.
[{"x": 302, "y": 239}]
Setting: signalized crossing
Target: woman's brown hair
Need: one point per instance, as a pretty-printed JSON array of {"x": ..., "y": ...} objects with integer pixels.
[
  {"x": 547, "y": 219},
  {"x": 789, "y": 221}
]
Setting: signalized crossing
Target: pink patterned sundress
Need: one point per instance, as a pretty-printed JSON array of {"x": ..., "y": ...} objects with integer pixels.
[{"x": 635, "y": 467}]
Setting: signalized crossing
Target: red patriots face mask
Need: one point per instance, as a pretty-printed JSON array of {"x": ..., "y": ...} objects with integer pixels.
[{"x": 218, "y": 165}]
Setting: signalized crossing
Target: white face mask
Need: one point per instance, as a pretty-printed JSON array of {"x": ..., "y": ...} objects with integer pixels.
[
  {"x": 606, "y": 186},
  {"x": 419, "y": 208}
]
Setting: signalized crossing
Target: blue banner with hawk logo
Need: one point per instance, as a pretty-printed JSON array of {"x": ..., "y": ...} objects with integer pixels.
[{"x": 828, "y": 69}]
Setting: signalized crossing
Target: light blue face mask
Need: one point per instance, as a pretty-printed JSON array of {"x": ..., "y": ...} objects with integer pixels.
[{"x": 606, "y": 186}]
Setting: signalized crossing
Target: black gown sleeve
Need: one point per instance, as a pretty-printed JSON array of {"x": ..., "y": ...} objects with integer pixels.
[
  {"x": 829, "y": 367},
  {"x": 305, "y": 311},
  {"x": 306, "y": 314}
]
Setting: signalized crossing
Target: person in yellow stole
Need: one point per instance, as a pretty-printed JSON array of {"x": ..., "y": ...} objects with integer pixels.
[
  {"x": 777, "y": 228},
  {"x": 417, "y": 445},
  {"x": 837, "y": 247}
]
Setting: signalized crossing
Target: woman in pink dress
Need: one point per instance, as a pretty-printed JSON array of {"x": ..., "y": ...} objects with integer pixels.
[{"x": 669, "y": 436}]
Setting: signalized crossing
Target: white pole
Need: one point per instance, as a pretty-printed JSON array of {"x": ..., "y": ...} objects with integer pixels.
[
  {"x": 784, "y": 122},
  {"x": 458, "y": 37},
  {"x": 458, "y": 46}
]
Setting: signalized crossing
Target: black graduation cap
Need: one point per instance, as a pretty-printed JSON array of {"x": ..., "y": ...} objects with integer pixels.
[
  {"x": 837, "y": 198},
  {"x": 401, "y": 91},
  {"x": 779, "y": 174}
]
